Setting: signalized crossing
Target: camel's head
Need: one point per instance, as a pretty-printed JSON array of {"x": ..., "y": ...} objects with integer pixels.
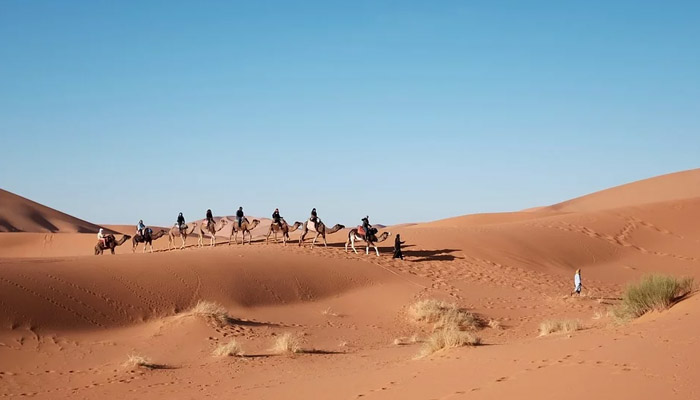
[{"x": 224, "y": 221}]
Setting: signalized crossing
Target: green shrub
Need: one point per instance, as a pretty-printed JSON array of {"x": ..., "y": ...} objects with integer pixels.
[{"x": 653, "y": 292}]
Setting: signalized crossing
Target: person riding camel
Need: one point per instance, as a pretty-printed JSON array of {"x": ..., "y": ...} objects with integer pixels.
[
  {"x": 367, "y": 227},
  {"x": 141, "y": 228},
  {"x": 210, "y": 219},
  {"x": 240, "y": 216},
  {"x": 276, "y": 217},
  {"x": 314, "y": 218},
  {"x": 102, "y": 237},
  {"x": 181, "y": 222}
]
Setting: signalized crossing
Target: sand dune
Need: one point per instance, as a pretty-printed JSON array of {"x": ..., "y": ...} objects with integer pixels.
[
  {"x": 18, "y": 214},
  {"x": 68, "y": 319},
  {"x": 676, "y": 186}
]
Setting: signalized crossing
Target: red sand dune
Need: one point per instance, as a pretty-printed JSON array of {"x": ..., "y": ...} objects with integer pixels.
[
  {"x": 69, "y": 320},
  {"x": 18, "y": 214}
]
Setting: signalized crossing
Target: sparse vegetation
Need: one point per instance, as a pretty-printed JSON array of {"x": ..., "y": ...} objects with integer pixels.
[
  {"x": 653, "y": 292},
  {"x": 212, "y": 311},
  {"x": 137, "y": 361},
  {"x": 403, "y": 341},
  {"x": 288, "y": 343},
  {"x": 446, "y": 338},
  {"x": 231, "y": 348},
  {"x": 329, "y": 312},
  {"x": 450, "y": 326},
  {"x": 495, "y": 324},
  {"x": 559, "y": 326},
  {"x": 443, "y": 315}
]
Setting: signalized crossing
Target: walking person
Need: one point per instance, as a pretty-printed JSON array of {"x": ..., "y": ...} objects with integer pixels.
[
  {"x": 577, "y": 283},
  {"x": 397, "y": 247}
]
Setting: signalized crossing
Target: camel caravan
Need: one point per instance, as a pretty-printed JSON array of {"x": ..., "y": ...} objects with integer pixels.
[{"x": 279, "y": 228}]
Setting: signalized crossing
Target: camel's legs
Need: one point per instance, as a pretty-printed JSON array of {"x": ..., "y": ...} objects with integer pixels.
[
  {"x": 376, "y": 249},
  {"x": 352, "y": 244},
  {"x": 324, "y": 240}
]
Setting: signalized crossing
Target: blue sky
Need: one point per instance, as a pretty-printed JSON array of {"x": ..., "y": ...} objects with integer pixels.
[{"x": 403, "y": 110}]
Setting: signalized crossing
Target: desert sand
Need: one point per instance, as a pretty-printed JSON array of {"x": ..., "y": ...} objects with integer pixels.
[{"x": 69, "y": 320}]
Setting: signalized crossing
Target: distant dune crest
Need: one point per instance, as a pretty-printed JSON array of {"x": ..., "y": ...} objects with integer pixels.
[{"x": 18, "y": 214}]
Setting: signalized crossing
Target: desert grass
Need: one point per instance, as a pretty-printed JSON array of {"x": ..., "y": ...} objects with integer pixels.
[
  {"x": 447, "y": 338},
  {"x": 443, "y": 315},
  {"x": 495, "y": 324},
  {"x": 231, "y": 348},
  {"x": 137, "y": 361},
  {"x": 404, "y": 341},
  {"x": 559, "y": 326},
  {"x": 212, "y": 311},
  {"x": 330, "y": 313},
  {"x": 288, "y": 343},
  {"x": 652, "y": 292}
]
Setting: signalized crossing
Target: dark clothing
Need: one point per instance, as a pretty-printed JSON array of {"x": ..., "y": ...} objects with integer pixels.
[
  {"x": 367, "y": 227},
  {"x": 397, "y": 248},
  {"x": 276, "y": 217},
  {"x": 180, "y": 221},
  {"x": 239, "y": 217},
  {"x": 210, "y": 219}
]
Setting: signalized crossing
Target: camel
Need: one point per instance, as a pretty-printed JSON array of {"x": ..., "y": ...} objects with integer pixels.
[
  {"x": 211, "y": 230},
  {"x": 246, "y": 226},
  {"x": 110, "y": 243},
  {"x": 175, "y": 231},
  {"x": 320, "y": 230},
  {"x": 284, "y": 228},
  {"x": 147, "y": 239},
  {"x": 371, "y": 240}
]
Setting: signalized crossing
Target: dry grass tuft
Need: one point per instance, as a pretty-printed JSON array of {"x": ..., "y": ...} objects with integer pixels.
[
  {"x": 231, "y": 348},
  {"x": 653, "y": 292},
  {"x": 443, "y": 315},
  {"x": 212, "y": 311},
  {"x": 288, "y": 343},
  {"x": 137, "y": 361},
  {"x": 556, "y": 326},
  {"x": 495, "y": 324},
  {"x": 403, "y": 341},
  {"x": 448, "y": 338},
  {"x": 329, "y": 312}
]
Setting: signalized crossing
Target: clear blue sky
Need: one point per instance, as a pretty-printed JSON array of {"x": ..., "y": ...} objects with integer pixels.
[{"x": 403, "y": 110}]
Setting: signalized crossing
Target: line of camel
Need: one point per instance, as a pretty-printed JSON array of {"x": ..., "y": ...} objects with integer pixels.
[{"x": 201, "y": 229}]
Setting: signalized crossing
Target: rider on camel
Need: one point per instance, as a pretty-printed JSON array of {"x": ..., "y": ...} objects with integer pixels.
[
  {"x": 210, "y": 219},
  {"x": 276, "y": 217},
  {"x": 367, "y": 227},
  {"x": 240, "y": 216},
  {"x": 181, "y": 222}
]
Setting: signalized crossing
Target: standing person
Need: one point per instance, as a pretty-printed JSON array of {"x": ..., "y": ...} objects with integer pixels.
[
  {"x": 239, "y": 216},
  {"x": 397, "y": 247},
  {"x": 577, "y": 283},
  {"x": 210, "y": 219},
  {"x": 140, "y": 228},
  {"x": 276, "y": 217},
  {"x": 181, "y": 222}
]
